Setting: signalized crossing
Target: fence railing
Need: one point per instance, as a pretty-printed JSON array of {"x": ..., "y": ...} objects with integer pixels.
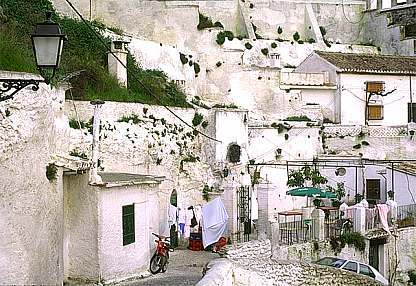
[
  {"x": 297, "y": 231},
  {"x": 332, "y": 224},
  {"x": 406, "y": 215}
]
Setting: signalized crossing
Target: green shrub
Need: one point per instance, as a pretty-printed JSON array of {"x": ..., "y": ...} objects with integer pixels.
[
  {"x": 231, "y": 106},
  {"x": 248, "y": 46},
  {"x": 412, "y": 276},
  {"x": 298, "y": 118},
  {"x": 311, "y": 40},
  {"x": 127, "y": 118},
  {"x": 218, "y": 64},
  {"x": 327, "y": 120},
  {"x": 51, "y": 172},
  {"x": 279, "y": 30},
  {"x": 357, "y": 146},
  {"x": 355, "y": 239},
  {"x": 116, "y": 30},
  {"x": 323, "y": 30},
  {"x": 197, "y": 119},
  {"x": 251, "y": 5},
  {"x": 204, "y": 124},
  {"x": 79, "y": 154},
  {"x": 273, "y": 45},
  {"x": 365, "y": 143},
  {"x": 197, "y": 68},
  {"x": 183, "y": 58},
  {"x": 82, "y": 52},
  {"x": 296, "y": 36},
  {"x": 206, "y": 22},
  {"x": 73, "y": 123},
  {"x": 265, "y": 51},
  {"x": 224, "y": 34},
  {"x": 218, "y": 24}
]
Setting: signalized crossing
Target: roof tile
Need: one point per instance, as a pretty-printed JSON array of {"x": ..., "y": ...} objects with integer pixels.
[{"x": 370, "y": 63}]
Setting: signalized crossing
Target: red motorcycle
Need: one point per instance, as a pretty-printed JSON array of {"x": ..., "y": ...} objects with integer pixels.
[{"x": 160, "y": 259}]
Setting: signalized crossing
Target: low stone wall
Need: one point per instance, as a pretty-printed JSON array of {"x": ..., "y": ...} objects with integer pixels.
[
  {"x": 312, "y": 251},
  {"x": 250, "y": 264}
]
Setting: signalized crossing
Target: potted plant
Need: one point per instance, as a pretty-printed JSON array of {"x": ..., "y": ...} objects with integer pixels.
[
  {"x": 317, "y": 202},
  {"x": 390, "y": 194},
  {"x": 335, "y": 203},
  {"x": 358, "y": 198}
]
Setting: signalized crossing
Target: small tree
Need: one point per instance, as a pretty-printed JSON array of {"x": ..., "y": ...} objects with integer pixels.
[
  {"x": 296, "y": 36},
  {"x": 300, "y": 177}
]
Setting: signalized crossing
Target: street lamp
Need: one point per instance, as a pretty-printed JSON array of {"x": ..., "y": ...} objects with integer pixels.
[{"x": 47, "y": 43}]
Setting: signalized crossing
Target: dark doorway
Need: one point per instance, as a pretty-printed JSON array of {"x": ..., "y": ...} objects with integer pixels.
[
  {"x": 373, "y": 190},
  {"x": 174, "y": 198},
  {"x": 173, "y": 230},
  {"x": 374, "y": 252}
]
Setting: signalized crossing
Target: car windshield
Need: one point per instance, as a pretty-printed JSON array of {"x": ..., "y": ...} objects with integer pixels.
[{"x": 330, "y": 261}]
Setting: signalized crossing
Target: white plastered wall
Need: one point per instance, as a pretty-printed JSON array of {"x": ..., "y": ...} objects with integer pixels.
[
  {"x": 395, "y": 104},
  {"x": 31, "y": 206},
  {"x": 118, "y": 261}
]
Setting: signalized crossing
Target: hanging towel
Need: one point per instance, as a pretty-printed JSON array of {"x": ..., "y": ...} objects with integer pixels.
[
  {"x": 383, "y": 210},
  {"x": 214, "y": 221},
  {"x": 181, "y": 216},
  {"x": 172, "y": 215}
]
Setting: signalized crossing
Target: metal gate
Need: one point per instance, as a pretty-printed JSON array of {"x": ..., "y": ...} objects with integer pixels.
[{"x": 243, "y": 214}]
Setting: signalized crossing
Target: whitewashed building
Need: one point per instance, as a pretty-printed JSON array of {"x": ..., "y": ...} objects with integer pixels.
[
  {"x": 107, "y": 227},
  {"x": 370, "y": 89}
]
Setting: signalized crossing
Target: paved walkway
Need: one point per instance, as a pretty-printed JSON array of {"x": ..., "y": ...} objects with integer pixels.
[{"x": 185, "y": 268}]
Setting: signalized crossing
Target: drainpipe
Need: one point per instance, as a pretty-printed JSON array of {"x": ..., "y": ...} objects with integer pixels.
[
  {"x": 337, "y": 101},
  {"x": 94, "y": 177},
  {"x": 411, "y": 99}
]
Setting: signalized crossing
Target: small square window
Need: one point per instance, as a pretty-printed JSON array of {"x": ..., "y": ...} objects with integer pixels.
[
  {"x": 118, "y": 45},
  {"x": 411, "y": 112},
  {"x": 128, "y": 224},
  {"x": 375, "y": 112},
  {"x": 414, "y": 47}
]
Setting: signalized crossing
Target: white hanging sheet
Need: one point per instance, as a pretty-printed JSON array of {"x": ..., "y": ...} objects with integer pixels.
[{"x": 214, "y": 221}]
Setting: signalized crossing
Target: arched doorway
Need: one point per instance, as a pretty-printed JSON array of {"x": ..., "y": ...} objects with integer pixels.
[{"x": 174, "y": 198}]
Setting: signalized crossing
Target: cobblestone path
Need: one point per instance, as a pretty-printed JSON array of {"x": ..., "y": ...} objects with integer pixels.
[{"x": 185, "y": 268}]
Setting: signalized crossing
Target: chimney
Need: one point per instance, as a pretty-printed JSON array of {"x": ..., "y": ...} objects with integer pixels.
[
  {"x": 119, "y": 49},
  {"x": 94, "y": 177}
]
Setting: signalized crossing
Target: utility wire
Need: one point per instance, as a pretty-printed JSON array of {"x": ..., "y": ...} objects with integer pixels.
[{"x": 134, "y": 75}]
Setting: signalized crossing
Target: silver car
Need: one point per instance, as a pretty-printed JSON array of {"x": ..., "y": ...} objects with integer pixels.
[{"x": 353, "y": 266}]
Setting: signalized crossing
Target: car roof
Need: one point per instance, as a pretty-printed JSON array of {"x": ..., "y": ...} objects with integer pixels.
[{"x": 346, "y": 259}]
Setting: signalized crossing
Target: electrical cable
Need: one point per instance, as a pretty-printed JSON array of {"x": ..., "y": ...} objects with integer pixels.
[
  {"x": 408, "y": 188},
  {"x": 77, "y": 116},
  {"x": 134, "y": 75}
]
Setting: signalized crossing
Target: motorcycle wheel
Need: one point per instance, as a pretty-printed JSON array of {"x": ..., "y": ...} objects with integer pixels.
[
  {"x": 165, "y": 264},
  {"x": 156, "y": 264}
]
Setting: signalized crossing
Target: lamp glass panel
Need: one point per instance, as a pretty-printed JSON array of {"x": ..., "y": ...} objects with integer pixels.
[{"x": 47, "y": 50}]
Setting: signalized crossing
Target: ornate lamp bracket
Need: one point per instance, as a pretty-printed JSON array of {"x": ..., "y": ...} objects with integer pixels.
[{"x": 9, "y": 87}]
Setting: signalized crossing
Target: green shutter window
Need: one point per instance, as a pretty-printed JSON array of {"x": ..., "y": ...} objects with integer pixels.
[{"x": 128, "y": 224}]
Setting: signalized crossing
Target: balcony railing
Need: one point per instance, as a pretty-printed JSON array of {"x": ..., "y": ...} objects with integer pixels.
[
  {"x": 294, "y": 228},
  {"x": 406, "y": 215},
  {"x": 297, "y": 231}
]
